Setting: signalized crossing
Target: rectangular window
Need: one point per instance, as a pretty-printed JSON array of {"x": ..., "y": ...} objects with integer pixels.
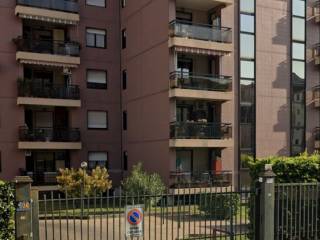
[
  {"x": 96, "y": 79},
  {"x": 298, "y": 50},
  {"x": 298, "y": 29},
  {"x": 97, "y": 120},
  {"x": 298, "y": 8},
  {"x": 247, "y": 69},
  {"x": 124, "y": 38},
  {"x": 124, "y": 120},
  {"x": 124, "y": 79},
  {"x": 97, "y": 3},
  {"x": 247, "y": 23},
  {"x": 96, "y": 159},
  {"x": 125, "y": 161},
  {"x": 247, "y": 46},
  {"x": 247, "y": 6},
  {"x": 96, "y": 38}
]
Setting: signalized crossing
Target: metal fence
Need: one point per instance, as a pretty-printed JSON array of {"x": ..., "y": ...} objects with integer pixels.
[
  {"x": 190, "y": 213},
  {"x": 297, "y": 211}
]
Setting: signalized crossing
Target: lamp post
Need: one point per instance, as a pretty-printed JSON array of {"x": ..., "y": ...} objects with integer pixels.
[{"x": 83, "y": 166}]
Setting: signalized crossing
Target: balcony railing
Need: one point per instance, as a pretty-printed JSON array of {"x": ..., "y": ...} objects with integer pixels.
[
  {"x": 207, "y": 82},
  {"x": 180, "y": 179},
  {"x": 60, "y": 5},
  {"x": 204, "y": 32},
  {"x": 49, "y": 135},
  {"x": 41, "y": 178},
  {"x": 64, "y": 48},
  {"x": 316, "y": 92},
  {"x": 29, "y": 88},
  {"x": 199, "y": 130}
]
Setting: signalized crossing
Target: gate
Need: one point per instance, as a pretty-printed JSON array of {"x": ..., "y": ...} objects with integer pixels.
[
  {"x": 297, "y": 211},
  {"x": 188, "y": 213}
]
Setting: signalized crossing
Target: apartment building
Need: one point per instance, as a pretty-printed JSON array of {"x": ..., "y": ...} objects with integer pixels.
[{"x": 187, "y": 87}]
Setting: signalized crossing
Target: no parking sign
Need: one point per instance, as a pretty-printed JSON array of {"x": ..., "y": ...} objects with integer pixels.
[{"x": 134, "y": 221}]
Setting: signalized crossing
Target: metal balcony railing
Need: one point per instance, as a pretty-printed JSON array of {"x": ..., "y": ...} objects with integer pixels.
[
  {"x": 181, "y": 179},
  {"x": 207, "y": 82},
  {"x": 316, "y": 92},
  {"x": 48, "y": 46},
  {"x": 204, "y": 32},
  {"x": 49, "y": 134},
  {"x": 199, "y": 130},
  {"x": 59, "y": 5},
  {"x": 41, "y": 178},
  {"x": 29, "y": 88}
]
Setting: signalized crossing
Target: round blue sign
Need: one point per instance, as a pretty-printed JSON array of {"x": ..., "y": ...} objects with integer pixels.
[{"x": 134, "y": 217}]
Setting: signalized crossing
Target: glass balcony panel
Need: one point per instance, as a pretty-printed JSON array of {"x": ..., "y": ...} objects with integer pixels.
[{"x": 60, "y": 5}]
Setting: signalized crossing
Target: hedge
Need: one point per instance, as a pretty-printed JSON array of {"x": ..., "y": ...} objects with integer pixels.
[
  {"x": 304, "y": 168},
  {"x": 6, "y": 211}
]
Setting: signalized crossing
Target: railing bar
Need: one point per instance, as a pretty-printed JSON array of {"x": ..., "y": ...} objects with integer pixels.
[
  {"x": 88, "y": 216},
  {"x": 101, "y": 212},
  {"x": 120, "y": 207},
  {"x": 94, "y": 214},
  {"x": 189, "y": 224},
  {"x": 45, "y": 217},
  {"x": 67, "y": 212},
  {"x": 107, "y": 215},
  {"x": 74, "y": 218},
  {"x": 52, "y": 215},
  {"x": 184, "y": 212},
  {"x": 155, "y": 218},
  {"x": 113, "y": 216},
  {"x": 60, "y": 225}
]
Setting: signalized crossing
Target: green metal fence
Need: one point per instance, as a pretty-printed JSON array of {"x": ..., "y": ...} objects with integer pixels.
[
  {"x": 297, "y": 211},
  {"x": 188, "y": 213}
]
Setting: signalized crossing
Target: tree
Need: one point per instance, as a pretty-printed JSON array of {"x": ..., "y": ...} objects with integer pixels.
[
  {"x": 140, "y": 183},
  {"x": 75, "y": 181},
  {"x": 6, "y": 211}
]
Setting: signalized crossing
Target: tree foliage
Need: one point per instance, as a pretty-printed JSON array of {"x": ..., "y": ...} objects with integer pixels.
[
  {"x": 140, "y": 182},
  {"x": 303, "y": 168},
  {"x": 6, "y": 211},
  {"x": 73, "y": 181}
]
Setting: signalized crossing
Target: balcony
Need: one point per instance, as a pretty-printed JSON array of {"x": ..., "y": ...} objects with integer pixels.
[
  {"x": 200, "y": 134},
  {"x": 316, "y": 96},
  {"x": 316, "y": 134},
  {"x": 58, "y": 11},
  {"x": 204, "y": 179},
  {"x": 35, "y": 93},
  {"x": 316, "y": 54},
  {"x": 203, "y": 5},
  {"x": 316, "y": 11},
  {"x": 48, "y": 52},
  {"x": 200, "y": 86},
  {"x": 49, "y": 138},
  {"x": 189, "y": 37},
  {"x": 42, "y": 178}
]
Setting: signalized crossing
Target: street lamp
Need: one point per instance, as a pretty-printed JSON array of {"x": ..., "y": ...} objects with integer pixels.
[{"x": 83, "y": 166}]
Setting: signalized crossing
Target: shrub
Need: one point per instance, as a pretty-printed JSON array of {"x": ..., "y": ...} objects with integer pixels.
[
  {"x": 140, "y": 182},
  {"x": 73, "y": 181},
  {"x": 299, "y": 169},
  {"x": 219, "y": 206},
  {"x": 6, "y": 211}
]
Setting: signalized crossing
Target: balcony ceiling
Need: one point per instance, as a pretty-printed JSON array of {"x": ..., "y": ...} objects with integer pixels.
[{"x": 203, "y": 5}]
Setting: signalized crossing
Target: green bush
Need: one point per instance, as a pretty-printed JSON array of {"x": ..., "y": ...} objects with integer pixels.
[
  {"x": 300, "y": 169},
  {"x": 141, "y": 183},
  {"x": 6, "y": 211},
  {"x": 219, "y": 206}
]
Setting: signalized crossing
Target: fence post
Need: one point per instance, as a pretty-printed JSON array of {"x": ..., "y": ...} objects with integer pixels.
[
  {"x": 267, "y": 204},
  {"x": 23, "y": 216},
  {"x": 35, "y": 213}
]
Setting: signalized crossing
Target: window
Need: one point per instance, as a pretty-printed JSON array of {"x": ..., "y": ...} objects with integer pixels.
[
  {"x": 96, "y": 79},
  {"x": 125, "y": 161},
  {"x": 124, "y": 39},
  {"x": 247, "y": 69},
  {"x": 298, "y": 8},
  {"x": 247, "y": 45},
  {"x": 298, "y": 50},
  {"x": 97, "y": 120},
  {"x": 123, "y": 3},
  {"x": 96, "y": 159},
  {"x": 247, "y": 6},
  {"x": 124, "y": 120},
  {"x": 124, "y": 79},
  {"x": 247, "y": 23},
  {"x": 96, "y": 38},
  {"x": 98, "y": 3},
  {"x": 298, "y": 29}
]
